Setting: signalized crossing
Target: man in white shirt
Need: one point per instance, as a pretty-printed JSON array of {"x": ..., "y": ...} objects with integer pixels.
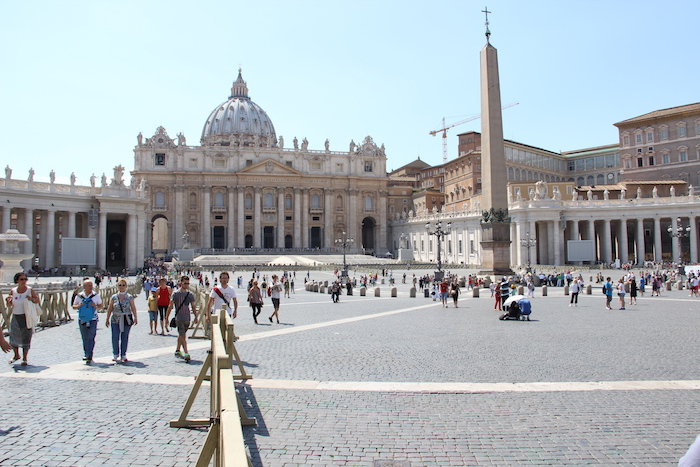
[{"x": 223, "y": 295}]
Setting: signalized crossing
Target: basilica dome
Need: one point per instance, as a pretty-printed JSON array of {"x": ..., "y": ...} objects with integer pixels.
[{"x": 239, "y": 121}]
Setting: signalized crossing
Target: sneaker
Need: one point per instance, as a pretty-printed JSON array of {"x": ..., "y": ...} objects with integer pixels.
[
  {"x": 115, "y": 358},
  {"x": 124, "y": 359},
  {"x": 178, "y": 354},
  {"x": 186, "y": 357}
]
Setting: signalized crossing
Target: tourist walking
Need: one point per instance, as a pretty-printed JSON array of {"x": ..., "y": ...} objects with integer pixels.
[
  {"x": 454, "y": 292},
  {"x": 633, "y": 290},
  {"x": 608, "y": 291},
  {"x": 183, "y": 302},
  {"x": 88, "y": 303},
  {"x": 20, "y": 334},
  {"x": 255, "y": 299},
  {"x": 164, "y": 293},
  {"x": 621, "y": 293},
  {"x": 275, "y": 295},
  {"x": 443, "y": 292},
  {"x": 575, "y": 289},
  {"x": 121, "y": 315},
  {"x": 223, "y": 295},
  {"x": 153, "y": 312}
]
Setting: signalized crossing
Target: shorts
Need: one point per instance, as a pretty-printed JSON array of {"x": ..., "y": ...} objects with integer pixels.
[
  {"x": 162, "y": 309},
  {"x": 182, "y": 327},
  {"x": 608, "y": 298},
  {"x": 443, "y": 295},
  {"x": 275, "y": 303},
  {"x": 152, "y": 315}
]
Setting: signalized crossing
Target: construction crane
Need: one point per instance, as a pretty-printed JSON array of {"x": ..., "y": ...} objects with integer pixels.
[{"x": 447, "y": 127}]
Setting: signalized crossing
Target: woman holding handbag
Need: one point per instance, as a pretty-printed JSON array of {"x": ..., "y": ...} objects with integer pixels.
[
  {"x": 20, "y": 334},
  {"x": 122, "y": 311}
]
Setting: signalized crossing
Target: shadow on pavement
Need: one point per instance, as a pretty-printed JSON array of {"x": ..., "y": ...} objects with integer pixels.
[{"x": 250, "y": 405}]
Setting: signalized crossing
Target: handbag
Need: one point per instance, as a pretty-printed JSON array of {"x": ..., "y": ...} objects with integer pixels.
[
  {"x": 173, "y": 321},
  {"x": 32, "y": 311}
]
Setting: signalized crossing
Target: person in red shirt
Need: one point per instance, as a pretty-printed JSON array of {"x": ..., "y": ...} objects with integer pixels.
[
  {"x": 443, "y": 292},
  {"x": 164, "y": 293}
]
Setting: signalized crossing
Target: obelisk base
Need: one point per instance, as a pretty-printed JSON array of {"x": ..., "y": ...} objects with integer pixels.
[{"x": 495, "y": 249}]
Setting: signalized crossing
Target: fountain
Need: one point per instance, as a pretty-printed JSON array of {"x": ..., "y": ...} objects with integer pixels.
[{"x": 12, "y": 258}]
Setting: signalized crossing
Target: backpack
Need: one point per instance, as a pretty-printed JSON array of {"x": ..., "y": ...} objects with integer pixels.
[
  {"x": 86, "y": 312},
  {"x": 269, "y": 291}
]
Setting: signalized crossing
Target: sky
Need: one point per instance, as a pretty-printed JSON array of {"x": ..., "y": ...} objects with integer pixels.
[{"x": 80, "y": 79}]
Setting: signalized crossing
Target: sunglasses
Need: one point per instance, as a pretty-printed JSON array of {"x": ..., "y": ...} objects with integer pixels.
[{"x": 22, "y": 279}]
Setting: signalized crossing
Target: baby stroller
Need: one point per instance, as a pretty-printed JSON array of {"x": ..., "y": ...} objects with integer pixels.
[{"x": 517, "y": 307}]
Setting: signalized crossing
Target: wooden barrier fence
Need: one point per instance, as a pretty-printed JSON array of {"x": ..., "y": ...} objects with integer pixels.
[{"x": 224, "y": 440}]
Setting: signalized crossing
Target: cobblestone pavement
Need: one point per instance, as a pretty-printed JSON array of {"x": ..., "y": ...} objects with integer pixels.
[{"x": 380, "y": 378}]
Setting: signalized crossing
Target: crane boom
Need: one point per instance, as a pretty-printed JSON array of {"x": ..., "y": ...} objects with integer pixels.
[{"x": 447, "y": 127}]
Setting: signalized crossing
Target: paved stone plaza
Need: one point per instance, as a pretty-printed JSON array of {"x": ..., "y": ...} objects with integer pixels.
[{"x": 380, "y": 379}]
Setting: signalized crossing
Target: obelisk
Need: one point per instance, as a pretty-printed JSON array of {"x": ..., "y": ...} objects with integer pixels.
[{"x": 495, "y": 221}]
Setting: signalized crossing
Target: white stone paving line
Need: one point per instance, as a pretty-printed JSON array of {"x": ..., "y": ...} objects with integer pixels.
[{"x": 78, "y": 371}]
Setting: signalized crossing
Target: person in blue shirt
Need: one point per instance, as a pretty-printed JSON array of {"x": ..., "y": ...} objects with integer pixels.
[{"x": 608, "y": 289}]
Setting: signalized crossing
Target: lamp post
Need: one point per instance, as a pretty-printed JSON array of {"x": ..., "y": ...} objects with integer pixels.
[
  {"x": 679, "y": 232},
  {"x": 528, "y": 243},
  {"x": 344, "y": 242},
  {"x": 439, "y": 232}
]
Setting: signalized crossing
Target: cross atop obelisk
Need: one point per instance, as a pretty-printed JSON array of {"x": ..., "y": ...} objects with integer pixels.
[{"x": 486, "y": 12}]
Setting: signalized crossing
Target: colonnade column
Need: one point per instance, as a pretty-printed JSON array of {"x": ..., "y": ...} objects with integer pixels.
[
  {"x": 50, "y": 238},
  {"x": 693, "y": 240},
  {"x": 382, "y": 219},
  {"x": 6, "y": 221},
  {"x": 575, "y": 234},
  {"x": 305, "y": 219},
  {"x": 29, "y": 231},
  {"x": 641, "y": 253},
  {"x": 657, "y": 239},
  {"x": 257, "y": 212},
  {"x": 550, "y": 242},
  {"x": 131, "y": 241},
  {"x": 532, "y": 229},
  {"x": 206, "y": 224},
  {"x": 296, "y": 241},
  {"x": 622, "y": 241},
  {"x": 141, "y": 235},
  {"x": 240, "y": 235},
  {"x": 557, "y": 242},
  {"x": 231, "y": 215},
  {"x": 178, "y": 219},
  {"x": 71, "y": 224},
  {"x": 327, "y": 218},
  {"x": 352, "y": 218},
  {"x": 606, "y": 242},
  {"x": 102, "y": 241},
  {"x": 280, "y": 217},
  {"x": 674, "y": 240},
  {"x": 591, "y": 236},
  {"x": 515, "y": 245}
]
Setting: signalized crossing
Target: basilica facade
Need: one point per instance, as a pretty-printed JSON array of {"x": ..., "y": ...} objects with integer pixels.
[{"x": 242, "y": 188}]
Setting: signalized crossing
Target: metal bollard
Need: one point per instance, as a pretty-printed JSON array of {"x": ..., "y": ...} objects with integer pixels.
[
  {"x": 521, "y": 290},
  {"x": 544, "y": 290},
  {"x": 475, "y": 292},
  {"x": 412, "y": 292},
  {"x": 566, "y": 290},
  {"x": 589, "y": 289},
  {"x": 377, "y": 291},
  {"x": 394, "y": 293},
  {"x": 363, "y": 291}
]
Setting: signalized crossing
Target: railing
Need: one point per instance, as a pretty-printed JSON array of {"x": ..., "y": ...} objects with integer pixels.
[
  {"x": 224, "y": 440},
  {"x": 54, "y": 305}
]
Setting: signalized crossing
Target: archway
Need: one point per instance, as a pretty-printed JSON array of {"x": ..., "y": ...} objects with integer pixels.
[
  {"x": 159, "y": 234},
  {"x": 368, "y": 227}
]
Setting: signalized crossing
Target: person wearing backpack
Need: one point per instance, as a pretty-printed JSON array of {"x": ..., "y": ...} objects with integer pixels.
[
  {"x": 88, "y": 303},
  {"x": 608, "y": 291}
]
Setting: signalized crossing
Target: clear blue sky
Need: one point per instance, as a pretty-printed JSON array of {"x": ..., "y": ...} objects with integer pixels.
[{"x": 80, "y": 79}]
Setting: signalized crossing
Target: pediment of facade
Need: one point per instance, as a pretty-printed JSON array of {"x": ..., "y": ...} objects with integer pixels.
[{"x": 269, "y": 167}]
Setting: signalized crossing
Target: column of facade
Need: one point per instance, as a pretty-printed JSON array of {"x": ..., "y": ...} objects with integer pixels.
[
  {"x": 148, "y": 238},
  {"x": 257, "y": 213},
  {"x": 693, "y": 239},
  {"x": 550, "y": 242},
  {"x": 178, "y": 220},
  {"x": 305, "y": 219},
  {"x": 674, "y": 239},
  {"x": 131, "y": 240},
  {"x": 575, "y": 234},
  {"x": 230, "y": 216},
  {"x": 141, "y": 235},
  {"x": 280, "y": 217},
  {"x": 29, "y": 231},
  {"x": 515, "y": 244},
  {"x": 206, "y": 224},
  {"x": 641, "y": 253},
  {"x": 530, "y": 252},
  {"x": 606, "y": 242},
  {"x": 41, "y": 253},
  {"x": 296, "y": 241},
  {"x": 102, "y": 241},
  {"x": 240, "y": 235},
  {"x": 382, "y": 220},
  {"x": 71, "y": 224},
  {"x": 50, "y": 239},
  {"x": 556, "y": 228},
  {"x": 327, "y": 218},
  {"x": 657, "y": 239},
  {"x": 622, "y": 243},
  {"x": 6, "y": 221},
  {"x": 352, "y": 218},
  {"x": 591, "y": 236}
]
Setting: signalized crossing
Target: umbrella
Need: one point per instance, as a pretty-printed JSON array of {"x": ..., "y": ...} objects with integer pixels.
[{"x": 512, "y": 299}]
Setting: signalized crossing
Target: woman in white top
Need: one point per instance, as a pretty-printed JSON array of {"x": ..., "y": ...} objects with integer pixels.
[
  {"x": 20, "y": 336},
  {"x": 621, "y": 293}
]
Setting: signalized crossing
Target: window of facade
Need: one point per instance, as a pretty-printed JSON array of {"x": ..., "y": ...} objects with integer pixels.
[
  {"x": 625, "y": 141},
  {"x": 193, "y": 201},
  {"x": 339, "y": 203},
  {"x": 315, "y": 201},
  {"x": 590, "y": 180},
  {"x": 338, "y": 167},
  {"x": 697, "y": 128},
  {"x": 289, "y": 163},
  {"x": 589, "y": 163},
  {"x": 640, "y": 162},
  {"x": 580, "y": 181},
  {"x": 650, "y": 136},
  {"x": 600, "y": 179},
  {"x": 628, "y": 164},
  {"x": 248, "y": 201},
  {"x": 667, "y": 158},
  {"x": 651, "y": 160},
  {"x": 683, "y": 156},
  {"x": 639, "y": 138},
  {"x": 315, "y": 166},
  {"x": 160, "y": 159},
  {"x": 682, "y": 131},
  {"x": 663, "y": 133},
  {"x": 368, "y": 203},
  {"x": 269, "y": 200},
  {"x": 288, "y": 202},
  {"x": 248, "y": 162},
  {"x": 368, "y": 166},
  {"x": 218, "y": 163},
  {"x": 219, "y": 199},
  {"x": 160, "y": 199}
]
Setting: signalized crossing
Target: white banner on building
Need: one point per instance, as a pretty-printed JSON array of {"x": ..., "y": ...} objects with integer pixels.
[{"x": 78, "y": 251}]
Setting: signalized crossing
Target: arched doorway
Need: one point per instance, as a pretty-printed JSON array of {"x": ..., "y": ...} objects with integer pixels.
[
  {"x": 368, "y": 228},
  {"x": 159, "y": 234},
  {"x": 288, "y": 241},
  {"x": 249, "y": 241}
]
